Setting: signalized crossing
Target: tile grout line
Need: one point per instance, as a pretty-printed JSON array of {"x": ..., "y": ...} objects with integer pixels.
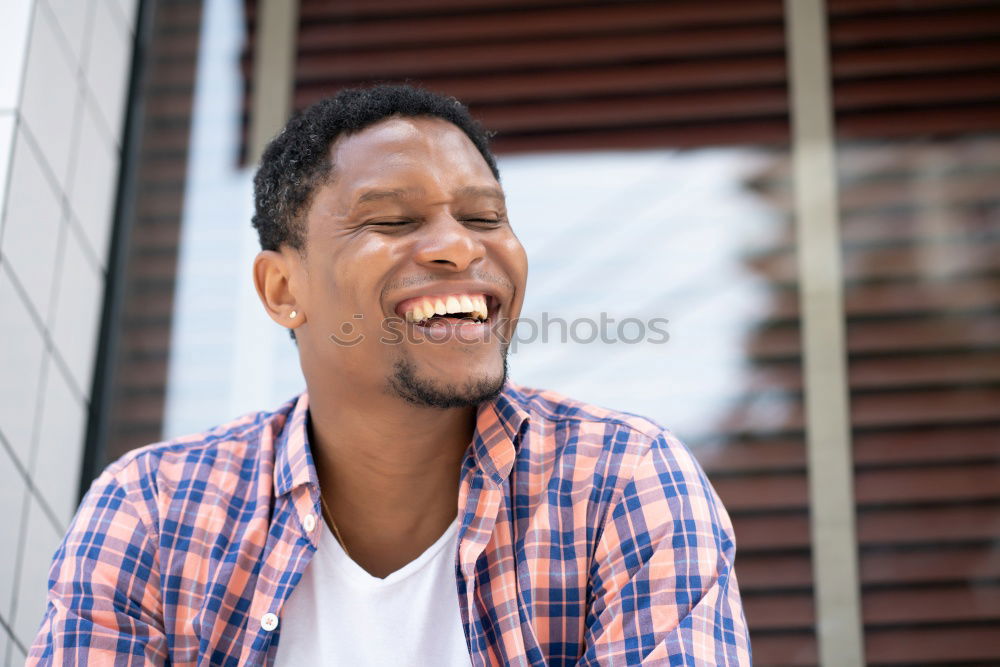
[
  {"x": 50, "y": 345},
  {"x": 49, "y": 513},
  {"x": 29, "y": 488},
  {"x": 64, "y": 221},
  {"x": 67, "y": 214}
]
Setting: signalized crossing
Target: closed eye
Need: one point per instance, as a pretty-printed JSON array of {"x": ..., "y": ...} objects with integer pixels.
[{"x": 391, "y": 223}]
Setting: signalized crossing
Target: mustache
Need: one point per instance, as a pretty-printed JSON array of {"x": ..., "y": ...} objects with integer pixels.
[{"x": 479, "y": 276}]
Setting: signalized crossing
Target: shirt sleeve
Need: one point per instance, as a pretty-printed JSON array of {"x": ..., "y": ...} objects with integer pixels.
[
  {"x": 662, "y": 586},
  {"x": 104, "y": 602}
]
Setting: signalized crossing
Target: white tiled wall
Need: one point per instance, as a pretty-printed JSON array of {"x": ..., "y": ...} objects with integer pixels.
[{"x": 64, "y": 68}]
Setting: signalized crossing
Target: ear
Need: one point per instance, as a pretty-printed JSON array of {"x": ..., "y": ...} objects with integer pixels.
[{"x": 276, "y": 277}]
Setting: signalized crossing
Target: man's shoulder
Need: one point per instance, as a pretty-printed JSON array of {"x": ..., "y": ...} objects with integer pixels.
[
  {"x": 230, "y": 448},
  {"x": 592, "y": 436},
  {"x": 605, "y": 453},
  {"x": 555, "y": 410}
]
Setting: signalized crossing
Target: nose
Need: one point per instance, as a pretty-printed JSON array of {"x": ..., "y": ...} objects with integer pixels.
[{"x": 449, "y": 244}]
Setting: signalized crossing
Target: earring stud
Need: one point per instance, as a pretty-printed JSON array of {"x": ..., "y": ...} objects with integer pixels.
[{"x": 292, "y": 315}]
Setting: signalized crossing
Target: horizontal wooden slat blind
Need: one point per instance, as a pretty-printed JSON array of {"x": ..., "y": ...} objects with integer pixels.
[
  {"x": 552, "y": 74},
  {"x": 905, "y": 68},
  {"x": 925, "y": 383},
  {"x": 921, "y": 252},
  {"x": 921, "y": 226}
]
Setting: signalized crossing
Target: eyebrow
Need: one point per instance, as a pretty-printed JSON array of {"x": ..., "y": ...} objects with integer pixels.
[
  {"x": 402, "y": 193},
  {"x": 480, "y": 191},
  {"x": 376, "y": 195}
]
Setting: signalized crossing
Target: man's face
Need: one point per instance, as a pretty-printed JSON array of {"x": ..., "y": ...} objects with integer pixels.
[{"x": 412, "y": 266}]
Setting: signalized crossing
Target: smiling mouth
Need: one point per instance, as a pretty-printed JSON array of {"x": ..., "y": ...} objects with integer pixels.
[{"x": 451, "y": 309}]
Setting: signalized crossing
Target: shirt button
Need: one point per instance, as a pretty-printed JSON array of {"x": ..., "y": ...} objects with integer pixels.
[
  {"x": 269, "y": 621},
  {"x": 309, "y": 522}
]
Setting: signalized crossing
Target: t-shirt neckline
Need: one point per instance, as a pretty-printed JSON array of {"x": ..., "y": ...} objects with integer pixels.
[{"x": 331, "y": 549}]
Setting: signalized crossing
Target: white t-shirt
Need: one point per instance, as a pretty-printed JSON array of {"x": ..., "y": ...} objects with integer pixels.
[{"x": 339, "y": 614}]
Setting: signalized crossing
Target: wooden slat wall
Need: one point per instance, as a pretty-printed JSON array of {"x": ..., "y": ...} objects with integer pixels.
[
  {"x": 557, "y": 74},
  {"x": 140, "y": 371},
  {"x": 921, "y": 226},
  {"x": 554, "y": 74},
  {"x": 921, "y": 251},
  {"x": 925, "y": 382}
]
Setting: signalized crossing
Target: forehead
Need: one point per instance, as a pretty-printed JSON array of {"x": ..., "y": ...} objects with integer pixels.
[{"x": 404, "y": 147}]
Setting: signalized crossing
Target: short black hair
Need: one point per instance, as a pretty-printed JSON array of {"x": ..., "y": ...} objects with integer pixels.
[{"x": 298, "y": 159}]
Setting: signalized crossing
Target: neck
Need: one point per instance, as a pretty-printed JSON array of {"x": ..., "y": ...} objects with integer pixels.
[{"x": 388, "y": 470}]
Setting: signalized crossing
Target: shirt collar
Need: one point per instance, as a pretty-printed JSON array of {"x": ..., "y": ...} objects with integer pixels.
[
  {"x": 500, "y": 425},
  {"x": 293, "y": 461}
]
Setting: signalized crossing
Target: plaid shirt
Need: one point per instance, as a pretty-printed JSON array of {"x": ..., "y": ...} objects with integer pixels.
[{"x": 587, "y": 537}]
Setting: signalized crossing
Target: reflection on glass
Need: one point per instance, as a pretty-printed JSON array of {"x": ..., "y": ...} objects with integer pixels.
[{"x": 921, "y": 240}]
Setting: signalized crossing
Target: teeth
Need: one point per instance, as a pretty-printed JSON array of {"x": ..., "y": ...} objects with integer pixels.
[
  {"x": 479, "y": 307},
  {"x": 474, "y": 304}
]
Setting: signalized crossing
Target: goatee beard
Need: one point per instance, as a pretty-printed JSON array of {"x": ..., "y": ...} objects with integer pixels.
[{"x": 405, "y": 383}]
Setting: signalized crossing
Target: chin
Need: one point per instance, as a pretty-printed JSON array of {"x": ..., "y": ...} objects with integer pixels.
[{"x": 426, "y": 389}]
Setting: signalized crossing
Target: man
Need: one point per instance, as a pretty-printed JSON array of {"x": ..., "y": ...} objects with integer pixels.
[{"x": 412, "y": 506}]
